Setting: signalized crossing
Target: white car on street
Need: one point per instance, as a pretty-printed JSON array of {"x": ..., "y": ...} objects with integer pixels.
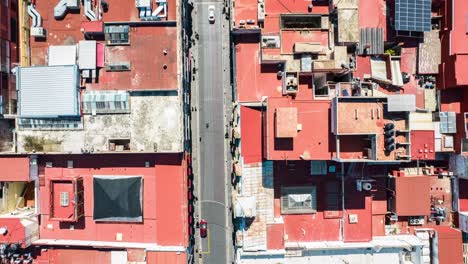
[{"x": 211, "y": 14}]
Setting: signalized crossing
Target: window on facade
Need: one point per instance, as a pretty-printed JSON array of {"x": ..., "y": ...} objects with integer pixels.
[
  {"x": 318, "y": 167},
  {"x": 64, "y": 201},
  {"x": 464, "y": 146},
  {"x": 118, "y": 66},
  {"x": 50, "y": 123},
  {"x": 106, "y": 102},
  {"x": 301, "y": 21},
  {"x": 298, "y": 200},
  {"x": 117, "y": 35},
  {"x": 14, "y": 30}
]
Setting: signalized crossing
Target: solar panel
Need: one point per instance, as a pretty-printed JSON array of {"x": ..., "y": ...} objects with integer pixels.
[{"x": 413, "y": 15}]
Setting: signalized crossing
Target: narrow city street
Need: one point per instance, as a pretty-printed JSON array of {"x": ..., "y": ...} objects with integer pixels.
[{"x": 209, "y": 128}]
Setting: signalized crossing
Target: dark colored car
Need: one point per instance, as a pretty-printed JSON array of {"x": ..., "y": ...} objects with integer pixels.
[{"x": 203, "y": 228}]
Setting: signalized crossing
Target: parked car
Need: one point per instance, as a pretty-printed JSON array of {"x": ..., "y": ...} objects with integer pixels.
[
  {"x": 211, "y": 14},
  {"x": 203, "y": 228}
]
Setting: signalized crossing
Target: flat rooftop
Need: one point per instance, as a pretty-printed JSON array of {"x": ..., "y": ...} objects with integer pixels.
[
  {"x": 153, "y": 51},
  {"x": 359, "y": 124},
  {"x": 129, "y": 92},
  {"x": 313, "y": 140},
  {"x": 152, "y": 125},
  {"x": 163, "y": 203}
]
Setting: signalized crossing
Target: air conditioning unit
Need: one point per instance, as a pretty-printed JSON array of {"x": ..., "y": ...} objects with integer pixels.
[
  {"x": 392, "y": 217},
  {"x": 364, "y": 185},
  {"x": 270, "y": 42},
  {"x": 261, "y": 11},
  {"x": 290, "y": 84},
  {"x": 38, "y": 32},
  {"x": 416, "y": 220}
]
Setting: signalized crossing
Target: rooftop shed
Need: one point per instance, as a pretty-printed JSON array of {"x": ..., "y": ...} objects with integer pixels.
[{"x": 48, "y": 91}]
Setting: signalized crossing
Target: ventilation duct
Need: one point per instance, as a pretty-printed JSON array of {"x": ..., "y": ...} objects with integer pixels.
[
  {"x": 159, "y": 13},
  {"x": 61, "y": 9},
  {"x": 35, "y": 16},
  {"x": 36, "y": 27},
  {"x": 89, "y": 10}
]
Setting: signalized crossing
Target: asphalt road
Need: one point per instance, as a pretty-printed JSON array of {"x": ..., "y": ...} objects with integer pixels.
[{"x": 211, "y": 125}]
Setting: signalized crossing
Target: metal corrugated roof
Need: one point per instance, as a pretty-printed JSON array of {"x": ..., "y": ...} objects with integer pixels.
[
  {"x": 87, "y": 54},
  {"x": 371, "y": 41},
  {"x": 49, "y": 91},
  {"x": 401, "y": 103}
]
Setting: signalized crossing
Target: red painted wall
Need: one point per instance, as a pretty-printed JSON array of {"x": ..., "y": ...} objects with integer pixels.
[
  {"x": 166, "y": 257},
  {"x": 251, "y": 133}
]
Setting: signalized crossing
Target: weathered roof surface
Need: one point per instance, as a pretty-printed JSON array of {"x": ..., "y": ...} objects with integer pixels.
[
  {"x": 348, "y": 24},
  {"x": 429, "y": 53},
  {"x": 286, "y": 122},
  {"x": 154, "y": 124},
  {"x": 48, "y": 91}
]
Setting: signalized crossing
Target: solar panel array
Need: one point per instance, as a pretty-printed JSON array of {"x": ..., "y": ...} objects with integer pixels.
[{"x": 413, "y": 15}]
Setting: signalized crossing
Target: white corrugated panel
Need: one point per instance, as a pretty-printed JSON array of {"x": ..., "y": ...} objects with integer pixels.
[
  {"x": 62, "y": 55},
  {"x": 421, "y": 121},
  {"x": 401, "y": 103},
  {"x": 118, "y": 257},
  {"x": 87, "y": 54},
  {"x": 48, "y": 91}
]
